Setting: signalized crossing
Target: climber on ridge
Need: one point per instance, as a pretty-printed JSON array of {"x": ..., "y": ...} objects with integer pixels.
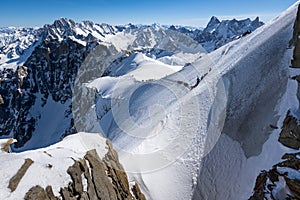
[{"x": 197, "y": 83}]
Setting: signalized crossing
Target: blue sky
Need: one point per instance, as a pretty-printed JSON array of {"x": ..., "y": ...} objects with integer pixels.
[{"x": 185, "y": 12}]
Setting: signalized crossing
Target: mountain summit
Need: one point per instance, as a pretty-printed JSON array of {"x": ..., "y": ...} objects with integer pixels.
[
  {"x": 213, "y": 22},
  {"x": 217, "y": 33}
]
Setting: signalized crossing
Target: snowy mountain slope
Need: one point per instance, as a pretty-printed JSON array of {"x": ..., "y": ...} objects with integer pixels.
[
  {"x": 84, "y": 165},
  {"x": 152, "y": 123},
  {"x": 16, "y": 45},
  {"x": 60, "y": 156},
  {"x": 148, "y": 142},
  {"x": 256, "y": 71},
  {"x": 142, "y": 67},
  {"x": 159, "y": 113},
  {"x": 145, "y": 130},
  {"x": 40, "y": 66},
  {"x": 145, "y": 120}
]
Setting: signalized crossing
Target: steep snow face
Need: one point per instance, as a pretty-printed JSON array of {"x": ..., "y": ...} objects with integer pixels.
[
  {"x": 255, "y": 69},
  {"x": 148, "y": 110},
  {"x": 153, "y": 127},
  {"x": 152, "y": 124},
  {"x": 53, "y": 116},
  {"x": 59, "y": 156}
]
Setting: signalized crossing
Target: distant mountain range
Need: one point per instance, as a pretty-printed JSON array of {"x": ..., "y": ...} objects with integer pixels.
[{"x": 39, "y": 65}]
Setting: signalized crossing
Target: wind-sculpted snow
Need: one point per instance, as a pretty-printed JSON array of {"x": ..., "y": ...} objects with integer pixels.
[
  {"x": 158, "y": 125},
  {"x": 153, "y": 91},
  {"x": 51, "y": 167},
  {"x": 255, "y": 71}
]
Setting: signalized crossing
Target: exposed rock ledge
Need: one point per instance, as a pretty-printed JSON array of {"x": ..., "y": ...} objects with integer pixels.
[
  {"x": 290, "y": 133},
  {"x": 92, "y": 178},
  {"x": 281, "y": 182}
]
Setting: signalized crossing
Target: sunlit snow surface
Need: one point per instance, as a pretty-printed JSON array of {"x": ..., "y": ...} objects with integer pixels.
[
  {"x": 168, "y": 136},
  {"x": 162, "y": 129},
  {"x": 60, "y": 156}
]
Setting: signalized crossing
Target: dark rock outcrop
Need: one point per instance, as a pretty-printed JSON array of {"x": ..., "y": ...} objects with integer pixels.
[
  {"x": 103, "y": 187},
  {"x": 6, "y": 146},
  {"x": 259, "y": 186},
  {"x": 37, "y": 193},
  {"x": 47, "y": 75},
  {"x": 137, "y": 192},
  {"x": 50, "y": 193},
  {"x": 290, "y": 133},
  {"x": 15, "y": 180},
  {"x": 105, "y": 179},
  {"x": 117, "y": 173},
  {"x": 267, "y": 181}
]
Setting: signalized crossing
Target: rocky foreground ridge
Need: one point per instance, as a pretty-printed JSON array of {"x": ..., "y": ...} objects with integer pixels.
[
  {"x": 81, "y": 167},
  {"x": 105, "y": 179}
]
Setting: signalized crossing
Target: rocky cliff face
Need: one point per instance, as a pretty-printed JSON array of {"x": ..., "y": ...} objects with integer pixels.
[{"x": 47, "y": 75}]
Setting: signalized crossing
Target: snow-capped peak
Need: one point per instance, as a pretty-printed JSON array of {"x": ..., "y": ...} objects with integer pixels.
[
  {"x": 213, "y": 21},
  {"x": 64, "y": 27}
]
